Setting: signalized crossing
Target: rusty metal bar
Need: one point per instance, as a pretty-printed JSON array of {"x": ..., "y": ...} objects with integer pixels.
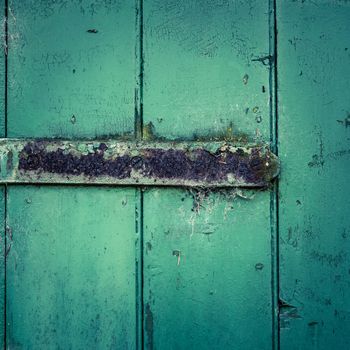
[{"x": 193, "y": 164}]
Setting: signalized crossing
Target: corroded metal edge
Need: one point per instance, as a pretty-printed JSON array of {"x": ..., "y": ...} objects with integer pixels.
[{"x": 190, "y": 164}]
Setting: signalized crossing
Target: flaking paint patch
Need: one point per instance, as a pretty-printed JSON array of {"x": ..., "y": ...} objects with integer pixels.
[{"x": 286, "y": 313}]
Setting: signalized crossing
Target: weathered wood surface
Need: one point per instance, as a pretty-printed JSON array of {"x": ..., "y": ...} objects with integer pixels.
[
  {"x": 70, "y": 268},
  {"x": 314, "y": 134},
  {"x": 3, "y": 50},
  {"x": 207, "y": 258},
  {"x": 75, "y": 71},
  {"x": 71, "y": 251},
  {"x": 71, "y": 68},
  {"x": 214, "y": 164}
]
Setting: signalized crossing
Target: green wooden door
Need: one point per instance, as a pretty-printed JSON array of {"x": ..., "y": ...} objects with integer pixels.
[{"x": 132, "y": 267}]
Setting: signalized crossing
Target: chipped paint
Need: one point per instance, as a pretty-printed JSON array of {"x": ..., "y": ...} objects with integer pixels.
[{"x": 286, "y": 313}]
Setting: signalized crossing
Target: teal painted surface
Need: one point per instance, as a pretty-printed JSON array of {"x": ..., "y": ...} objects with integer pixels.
[
  {"x": 71, "y": 268},
  {"x": 200, "y": 70},
  {"x": 70, "y": 271},
  {"x": 2, "y": 263},
  {"x": 3, "y": 49},
  {"x": 82, "y": 261},
  {"x": 313, "y": 76},
  {"x": 200, "y": 79},
  {"x": 65, "y": 81},
  {"x": 207, "y": 272}
]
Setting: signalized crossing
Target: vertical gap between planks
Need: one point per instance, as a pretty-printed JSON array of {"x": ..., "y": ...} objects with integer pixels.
[
  {"x": 274, "y": 199},
  {"x": 5, "y": 251},
  {"x": 139, "y": 72},
  {"x": 6, "y": 44},
  {"x": 5, "y": 193},
  {"x": 138, "y": 133},
  {"x": 139, "y": 267}
]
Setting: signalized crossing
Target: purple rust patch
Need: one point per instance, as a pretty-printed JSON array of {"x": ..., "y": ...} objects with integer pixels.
[
  {"x": 156, "y": 163},
  {"x": 34, "y": 157}
]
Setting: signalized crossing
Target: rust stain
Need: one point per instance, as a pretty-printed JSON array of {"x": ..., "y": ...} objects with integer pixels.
[
  {"x": 9, "y": 163},
  {"x": 198, "y": 164}
]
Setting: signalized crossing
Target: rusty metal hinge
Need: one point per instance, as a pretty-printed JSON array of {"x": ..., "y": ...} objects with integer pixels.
[{"x": 207, "y": 164}]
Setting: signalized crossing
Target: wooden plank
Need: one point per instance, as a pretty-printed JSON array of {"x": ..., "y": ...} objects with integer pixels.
[
  {"x": 214, "y": 164},
  {"x": 3, "y": 50},
  {"x": 207, "y": 279},
  {"x": 207, "y": 270},
  {"x": 71, "y": 68},
  {"x": 71, "y": 277},
  {"x": 71, "y": 266},
  {"x": 202, "y": 70},
  {"x": 313, "y": 71},
  {"x": 2, "y": 264}
]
